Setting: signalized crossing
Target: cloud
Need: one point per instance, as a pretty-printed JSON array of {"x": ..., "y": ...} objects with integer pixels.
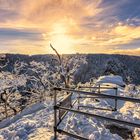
[
  {"x": 127, "y": 51},
  {"x": 123, "y": 34},
  {"x": 46, "y": 12},
  {"x": 83, "y": 25},
  {"x": 24, "y": 34},
  {"x": 23, "y": 47},
  {"x": 28, "y": 41}
]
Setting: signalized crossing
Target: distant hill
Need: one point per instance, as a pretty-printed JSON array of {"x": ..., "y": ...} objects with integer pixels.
[
  {"x": 98, "y": 64},
  {"x": 103, "y": 64}
]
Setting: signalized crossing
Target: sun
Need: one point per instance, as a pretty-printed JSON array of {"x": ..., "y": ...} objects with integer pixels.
[{"x": 60, "y": 39}]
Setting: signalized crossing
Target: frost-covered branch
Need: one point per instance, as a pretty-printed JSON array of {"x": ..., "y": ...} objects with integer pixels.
[
  {"x": 68, "y": 65},
  {"x": 9, "y": 84}
]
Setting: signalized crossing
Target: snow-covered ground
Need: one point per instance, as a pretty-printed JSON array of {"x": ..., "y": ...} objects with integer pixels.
[
  {"x": 31, "y": 121},
  {"x": 36, "y": 122}
]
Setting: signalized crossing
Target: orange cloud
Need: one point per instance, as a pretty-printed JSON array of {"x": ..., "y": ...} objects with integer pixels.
[
  {"x": 127, "y": 51},
  {"x": 44, "y": 13},
  {"x": 24, "y": 47},
  {"x": 124, "y": 34}
]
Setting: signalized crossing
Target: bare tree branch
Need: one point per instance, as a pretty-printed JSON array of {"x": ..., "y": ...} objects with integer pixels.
[{"x": 58, "y": 55}]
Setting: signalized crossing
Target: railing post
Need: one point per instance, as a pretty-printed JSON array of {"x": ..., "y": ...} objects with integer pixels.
[
  {"x": 55, "y": 115},
  {"x": 116, "y": 93},
  {"x": 90, "y": 86},
  {"x": 78, "y": 100},
  {"x": 99, "y": 89}
]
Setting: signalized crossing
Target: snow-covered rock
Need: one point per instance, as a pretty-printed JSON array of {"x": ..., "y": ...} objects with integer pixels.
[{"x": 114, "y": 79}]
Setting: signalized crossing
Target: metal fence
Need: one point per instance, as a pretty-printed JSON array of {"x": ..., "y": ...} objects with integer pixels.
[
  {"x": 98, "y": 89},
  {"x": 66, "y": 106}
]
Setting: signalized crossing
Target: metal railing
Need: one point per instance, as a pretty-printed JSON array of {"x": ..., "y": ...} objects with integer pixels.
[
  {"x": 66, "y": 109},
  {"x": 98, "y": 88}
]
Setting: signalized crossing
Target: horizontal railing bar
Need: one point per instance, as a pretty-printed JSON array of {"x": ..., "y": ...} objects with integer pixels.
[
  {"x": 92, "y": 97},
  {"x": 71, "y": 134},
  {"x": 65, "y": 113},
  {"x": 96, "y": 87},
  {"x": 92, "y": 107},
  {"x": 100, "y": 95},
  {"x": 101, "y": 117}
]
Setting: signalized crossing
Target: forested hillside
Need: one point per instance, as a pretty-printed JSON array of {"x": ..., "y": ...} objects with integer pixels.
[{"x": 98, "y": 64}]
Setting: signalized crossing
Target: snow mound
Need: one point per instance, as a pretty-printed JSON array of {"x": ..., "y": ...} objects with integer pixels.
[
  {"x": 27, "y": 111},
  {"x": 113, "y": 79},
  {"x": 29, "y": 123}
]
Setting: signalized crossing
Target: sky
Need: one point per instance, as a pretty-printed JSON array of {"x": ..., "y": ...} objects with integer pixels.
[{"x": 71, "y": 26}]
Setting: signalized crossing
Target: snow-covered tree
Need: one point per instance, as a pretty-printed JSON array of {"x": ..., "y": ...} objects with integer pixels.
[
  {"x": 10, "y": 82},
  {"x": 42, "y": 78},
  {"x": 116, "y": 67},
  {"x": 67, "y": 66}
]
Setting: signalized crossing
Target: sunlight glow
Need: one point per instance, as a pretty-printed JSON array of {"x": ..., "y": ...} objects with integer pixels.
[{"x": 60, "y": 39}]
